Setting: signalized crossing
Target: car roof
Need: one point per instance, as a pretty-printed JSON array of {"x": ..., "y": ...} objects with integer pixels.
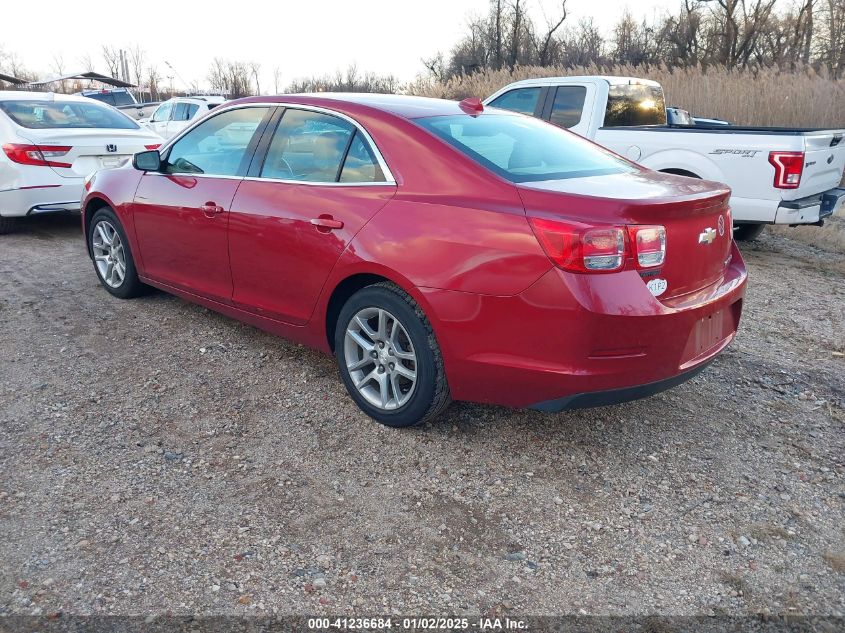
[
  {"x": 12, "y": 95},
  {"x": 610, "y": 79},
  {"x": 405, "y": 106}
]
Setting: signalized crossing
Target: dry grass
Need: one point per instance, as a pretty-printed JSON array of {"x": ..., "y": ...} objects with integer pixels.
[{"x": 765, "y": 97}]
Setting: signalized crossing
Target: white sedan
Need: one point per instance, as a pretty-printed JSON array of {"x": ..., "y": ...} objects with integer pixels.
[{"x": 51, "y": 142}]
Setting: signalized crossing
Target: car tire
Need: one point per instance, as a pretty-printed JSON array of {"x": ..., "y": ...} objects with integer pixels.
[
  {"x": 7, "y": 225},
  {"x": 111, "y": 255},
  {"x": 382, "y": 337},
  {"x": 747, "y": 232}
]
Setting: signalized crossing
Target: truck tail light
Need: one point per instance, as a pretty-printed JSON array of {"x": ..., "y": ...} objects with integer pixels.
[
  {"x": 37, "y": 155},
  {"x": 153, "y": 146},
  {"x": 649, "y": 245},
  {"x": 581, "y": 248},
  {"x": 788, "y": 167}
]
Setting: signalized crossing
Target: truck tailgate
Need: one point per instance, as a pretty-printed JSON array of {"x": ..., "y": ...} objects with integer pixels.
[{"x": 824, "y": 162}]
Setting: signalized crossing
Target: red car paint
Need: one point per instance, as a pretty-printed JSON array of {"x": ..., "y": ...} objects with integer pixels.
[{"x": 514, "y": 329}]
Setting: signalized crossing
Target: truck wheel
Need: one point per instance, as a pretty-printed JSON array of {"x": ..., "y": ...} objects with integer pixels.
[
  {"x": 747, "y": 232},
  {"x": 7, "y": 225}
]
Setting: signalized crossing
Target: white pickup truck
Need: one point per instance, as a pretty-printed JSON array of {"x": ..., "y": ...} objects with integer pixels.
[{"x": 776, "y": 175}]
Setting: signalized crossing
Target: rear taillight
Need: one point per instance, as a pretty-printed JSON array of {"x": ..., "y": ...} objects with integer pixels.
[
  {"x": 649, "y": 245},
  {"x": 37, "y": 155},
  {"x": 582, "y": 248},
  {"x": 788, "y": 167},
  {"x": 152, "y": 147}
]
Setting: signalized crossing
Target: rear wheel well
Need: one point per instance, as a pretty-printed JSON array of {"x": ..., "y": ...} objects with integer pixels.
[
  {"x": 340, "y": 296},
  {"x": 680, "y": 172}
]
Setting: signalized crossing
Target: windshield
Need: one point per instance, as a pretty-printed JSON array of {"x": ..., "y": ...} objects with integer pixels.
[
  {"x": 635, "y": 104},
  {"x": 524, "y": 149},
  {"x": 42, "y": 115}
]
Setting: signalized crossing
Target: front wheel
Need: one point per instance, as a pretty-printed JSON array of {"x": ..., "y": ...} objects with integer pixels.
[
  {"x": 389, "y": 358},
  {"x": 747, "y": 232},
  {"x": 112, "y": 256}
]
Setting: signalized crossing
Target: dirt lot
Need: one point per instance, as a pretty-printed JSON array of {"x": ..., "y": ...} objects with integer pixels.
[{"x": 156, "y": 456}]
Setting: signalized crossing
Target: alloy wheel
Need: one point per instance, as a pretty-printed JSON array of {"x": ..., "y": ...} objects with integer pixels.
[
  {"x": 109, "y": 255},
  {"x": 380, "y": 358}
]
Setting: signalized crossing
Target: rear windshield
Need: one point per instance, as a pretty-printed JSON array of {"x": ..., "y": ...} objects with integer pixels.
[
  {"x": 524, "y": 149},
  {"x": 42, "y": 115},
  {"x": 635, "y": 104},
  {"x": 112, "y": 98}
]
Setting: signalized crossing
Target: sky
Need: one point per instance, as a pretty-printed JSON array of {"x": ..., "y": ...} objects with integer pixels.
[{"x": 302, "y": 39}]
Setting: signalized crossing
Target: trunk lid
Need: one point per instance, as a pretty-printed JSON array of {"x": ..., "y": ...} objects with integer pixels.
[
  {"x": 824, "y": 162},
  {"x": 91, "y": 149},
  {"x": 694, "y": 212}
]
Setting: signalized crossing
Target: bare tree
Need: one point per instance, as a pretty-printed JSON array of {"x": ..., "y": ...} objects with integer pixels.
[
  {"x": 58, "y": 67},
  {"x": 137, "y": 56},
  {"x": 546, "y": 42},
  {"x": 254, "y": 68},
  {"x": 277, "y": 79},
  {"x": 87, "y": 62},
  {"x": 111, "y": 56}
]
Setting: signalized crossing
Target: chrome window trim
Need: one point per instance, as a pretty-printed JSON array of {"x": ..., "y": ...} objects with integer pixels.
[
  {"x": 316, "y": 183},
  {"x": 388, "y": 175}
]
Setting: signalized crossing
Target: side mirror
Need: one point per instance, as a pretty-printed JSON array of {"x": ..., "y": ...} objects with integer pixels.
[{"x": 147, "y": 161}]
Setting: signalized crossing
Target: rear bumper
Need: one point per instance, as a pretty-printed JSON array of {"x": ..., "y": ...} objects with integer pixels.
[
  {"x": 66, "y": 196},
  {"x": 811, "y": 209},
  {"x": 582, "y": 340},
  {"x": 617, "y": 396}
]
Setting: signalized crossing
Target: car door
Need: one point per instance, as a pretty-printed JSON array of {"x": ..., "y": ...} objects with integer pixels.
[
  {"x": 321, "y": 179},
  {"x": 159, "y": 119},
  {"x": 181, "y": 214}
]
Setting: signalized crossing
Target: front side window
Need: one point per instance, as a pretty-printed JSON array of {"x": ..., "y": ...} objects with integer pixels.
[
  {"x": 522, "y": 100},
  {"x": 308, "y": 146},
  {"x": 568, "y": 105},
  {"x": 192, "y": 110},
  {"x": 524, "y": 149},
  {"x": 162, "y": 113},
  {"x": 635, "y": 104},
  {"x": 218, "y": 146},
  {"x": 43, "y": 115}
]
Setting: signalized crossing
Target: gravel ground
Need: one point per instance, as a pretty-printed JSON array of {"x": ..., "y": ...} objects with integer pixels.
[{"x": 155, "y": 456}]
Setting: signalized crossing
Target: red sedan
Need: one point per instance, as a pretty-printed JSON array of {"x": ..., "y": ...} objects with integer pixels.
[{"x": 439, "y": 250}]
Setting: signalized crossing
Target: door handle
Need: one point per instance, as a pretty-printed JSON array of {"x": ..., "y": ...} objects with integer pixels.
[
  {"x": 210, "y": 209},
  {"x": 326, "y": 223}
]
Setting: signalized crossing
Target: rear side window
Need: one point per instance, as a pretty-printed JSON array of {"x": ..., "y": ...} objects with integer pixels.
[
  {"x": 568, "y": 105},
  {"x": 192, "y": 110},
  {"x": 360, "y": 164},
  {"x": 42, "y": 115},
  {"x": 522, "y": 100},
  {"x": 635, "y": 104},
  {"x": 524, "y": 149},
  {"x": 218, "y": 146},
  {"x": 180, "y": 112}
]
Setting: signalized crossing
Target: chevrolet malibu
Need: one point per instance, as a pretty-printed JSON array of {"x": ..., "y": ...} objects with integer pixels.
[{"x": 439, "y": 250}]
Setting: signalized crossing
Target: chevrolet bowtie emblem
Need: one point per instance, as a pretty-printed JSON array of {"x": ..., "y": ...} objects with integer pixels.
[{"x": 707, "y": 236}]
